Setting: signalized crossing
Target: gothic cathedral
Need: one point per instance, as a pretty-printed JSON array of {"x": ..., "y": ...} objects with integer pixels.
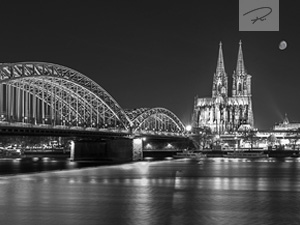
[{"x": 223, "y": 114}]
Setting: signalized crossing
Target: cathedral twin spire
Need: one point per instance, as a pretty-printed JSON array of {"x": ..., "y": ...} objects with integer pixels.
[
  {"x": 220, "y": 64},
  {"x": 222, "y": 113},
  {"x": 241, "y": 80},
  {"x": 240, "y": 68},
  {"x": 220, "y": 83}
]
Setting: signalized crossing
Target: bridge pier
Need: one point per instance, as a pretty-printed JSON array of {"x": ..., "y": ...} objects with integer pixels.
[
  {"x": 116, "y": 150},
  {"x": 137, "y": 149}
]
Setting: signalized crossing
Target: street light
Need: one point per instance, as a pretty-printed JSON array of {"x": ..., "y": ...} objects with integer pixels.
[{"x": 188, "y": 128}]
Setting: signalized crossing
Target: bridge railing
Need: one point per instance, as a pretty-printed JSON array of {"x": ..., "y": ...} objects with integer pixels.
[
  {"x": 161, "y": 133},
  {"x": 92, "y": 129},
  {"x": 61, "y": 127}
]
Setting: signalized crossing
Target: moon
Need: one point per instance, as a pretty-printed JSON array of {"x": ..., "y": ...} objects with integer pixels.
[{"x": 282, "y": 45}]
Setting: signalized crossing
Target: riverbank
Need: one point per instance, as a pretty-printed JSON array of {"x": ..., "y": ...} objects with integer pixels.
[
  {"x": 157, "y": 154},
  {"x": 164, "y": 154}
]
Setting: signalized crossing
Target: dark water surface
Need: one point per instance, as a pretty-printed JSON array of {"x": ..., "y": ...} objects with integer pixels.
[
  {"x": 216, "y": 191},
  {"x": 42, "y": 164}
]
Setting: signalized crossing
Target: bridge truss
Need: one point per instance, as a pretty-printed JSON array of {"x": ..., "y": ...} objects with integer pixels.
[
  {"x": 48, "y": 94},
  {"x": 155, "y": 120}
]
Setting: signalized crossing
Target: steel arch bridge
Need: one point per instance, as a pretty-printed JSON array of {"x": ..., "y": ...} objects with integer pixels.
[
  {"x": 51, "y": 95},
  {"x": 155, "y": 119}
]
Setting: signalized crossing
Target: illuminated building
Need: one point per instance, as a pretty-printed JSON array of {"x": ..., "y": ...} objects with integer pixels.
[
  {"x": 286, "y": 125},
  {"x": 220, "y": 112}
]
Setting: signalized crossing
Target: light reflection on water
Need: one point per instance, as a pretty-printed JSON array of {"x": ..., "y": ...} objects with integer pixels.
[{"x": 217, "y": 191}]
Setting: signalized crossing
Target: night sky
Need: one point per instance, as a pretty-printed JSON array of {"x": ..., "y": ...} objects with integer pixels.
[{"x": 159, "y": 54}]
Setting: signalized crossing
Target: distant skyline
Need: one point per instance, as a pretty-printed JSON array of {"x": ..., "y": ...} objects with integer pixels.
[{"x": 159, "y": 53}]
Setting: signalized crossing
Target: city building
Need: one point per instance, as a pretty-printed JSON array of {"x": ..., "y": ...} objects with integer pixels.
[
  {"x": 221, "y": 113},
  {"x": 286, "y": 125}
]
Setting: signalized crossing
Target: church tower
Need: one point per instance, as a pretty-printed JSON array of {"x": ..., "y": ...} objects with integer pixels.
[
  {"x": 241, "y": 85},
  {"x": 220, "y": 80}
]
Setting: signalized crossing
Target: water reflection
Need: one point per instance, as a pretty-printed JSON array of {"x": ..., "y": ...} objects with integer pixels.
[{"x": 217, "y": 191}]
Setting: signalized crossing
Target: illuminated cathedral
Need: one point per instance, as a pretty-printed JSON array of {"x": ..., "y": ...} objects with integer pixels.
[{"x": 221, "y": 113}]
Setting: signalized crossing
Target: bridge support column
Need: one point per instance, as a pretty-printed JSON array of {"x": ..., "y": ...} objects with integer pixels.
[{"x": 137, "y": 149}]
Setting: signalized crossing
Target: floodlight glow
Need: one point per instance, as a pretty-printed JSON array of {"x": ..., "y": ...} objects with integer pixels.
[{"x": 188, "y": 128}]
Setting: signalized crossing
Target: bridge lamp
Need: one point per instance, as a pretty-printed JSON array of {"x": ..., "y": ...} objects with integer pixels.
[
  {"x": 169, "y": 145},
  {"x": 148, "y": 146},
  {"x": 188, "y": 128}
]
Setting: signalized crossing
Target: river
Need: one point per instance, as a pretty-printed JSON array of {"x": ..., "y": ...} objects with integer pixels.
[{"x": 214, "y": 191}]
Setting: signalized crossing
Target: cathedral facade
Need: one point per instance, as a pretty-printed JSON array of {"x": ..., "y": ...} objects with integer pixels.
[{"x": 221, "y": 113}]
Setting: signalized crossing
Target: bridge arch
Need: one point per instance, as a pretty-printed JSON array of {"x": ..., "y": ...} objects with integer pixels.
[
  {"x": 40, "y": 93},
  {"x": 155, "y": 119},
  {"x": 50, "y": 93}
]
